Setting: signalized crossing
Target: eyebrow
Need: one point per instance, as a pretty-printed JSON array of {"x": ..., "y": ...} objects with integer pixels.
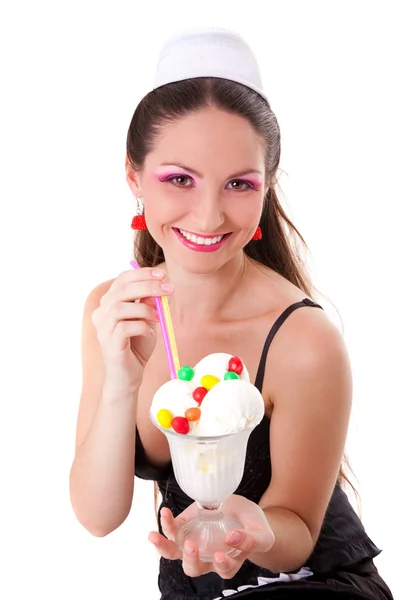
[{"x": 194, "y": 172}]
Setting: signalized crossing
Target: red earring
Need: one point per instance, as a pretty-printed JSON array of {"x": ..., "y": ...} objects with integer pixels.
[
  {"x": 138, "y": 221},
  {"x": 257, "y": 235}
]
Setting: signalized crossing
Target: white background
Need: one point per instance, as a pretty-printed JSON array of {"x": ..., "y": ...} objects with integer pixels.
[{"x": 71, "y": 76}]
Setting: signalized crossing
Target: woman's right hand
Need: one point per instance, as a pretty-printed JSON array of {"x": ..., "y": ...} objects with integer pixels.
[{"x": 126, "y": 329}]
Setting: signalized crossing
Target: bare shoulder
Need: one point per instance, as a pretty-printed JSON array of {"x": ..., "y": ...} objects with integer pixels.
[
  {"x": 308, "y": 344},
  {"x": 310, "y": 388}
]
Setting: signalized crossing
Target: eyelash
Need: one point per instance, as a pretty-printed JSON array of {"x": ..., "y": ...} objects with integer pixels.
[{"x": 171, "y": 178}]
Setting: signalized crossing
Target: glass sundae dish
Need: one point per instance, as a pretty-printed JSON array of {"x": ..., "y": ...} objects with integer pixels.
[{"x": 207, "y": 415}]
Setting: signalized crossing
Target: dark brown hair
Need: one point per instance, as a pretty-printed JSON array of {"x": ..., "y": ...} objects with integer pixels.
[{"x": 282, "y": 245}]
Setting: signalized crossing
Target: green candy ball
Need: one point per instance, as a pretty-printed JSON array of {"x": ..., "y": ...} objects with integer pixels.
[
  {"x": 231, "y": 375},
  {"x": 186, "y": 373}
]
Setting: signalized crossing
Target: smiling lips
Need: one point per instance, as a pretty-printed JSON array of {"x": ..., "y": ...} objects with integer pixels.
[{"x": 198, "y": 243}]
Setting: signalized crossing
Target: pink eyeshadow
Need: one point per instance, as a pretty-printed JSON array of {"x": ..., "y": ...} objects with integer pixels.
[
  {"x": 256, "y": 183},
  {"x": 166, "y": 171},
  {"x": 164, "y": 176}
]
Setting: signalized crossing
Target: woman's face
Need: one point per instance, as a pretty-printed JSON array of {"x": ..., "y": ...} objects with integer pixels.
[{"x": 203, "y": 187}]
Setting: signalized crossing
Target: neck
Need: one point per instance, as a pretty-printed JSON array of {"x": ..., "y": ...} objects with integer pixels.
[{"x": 203, "y": 296}]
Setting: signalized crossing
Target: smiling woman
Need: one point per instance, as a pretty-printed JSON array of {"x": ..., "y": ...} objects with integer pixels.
[
  {"x": 203, "y": 242},
  {"x": 203, "y": 151},
  {"x": 213, "y": 202}
]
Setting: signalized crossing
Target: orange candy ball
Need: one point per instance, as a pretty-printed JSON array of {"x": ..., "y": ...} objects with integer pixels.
[{"x": 193, "y": 414}]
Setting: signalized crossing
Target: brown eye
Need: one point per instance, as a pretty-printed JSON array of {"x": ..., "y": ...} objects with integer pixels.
[
  {"x": 181, "y": 180},
  {"x": 238, "y": 184}
]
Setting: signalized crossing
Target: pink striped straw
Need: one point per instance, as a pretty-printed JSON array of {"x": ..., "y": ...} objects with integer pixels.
[{"x": 164, "y": 330}]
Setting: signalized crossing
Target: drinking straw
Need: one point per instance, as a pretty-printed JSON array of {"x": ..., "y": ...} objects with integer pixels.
[
  {"x": 171, "y": 334},
  {"x": 167, "y": 331}
]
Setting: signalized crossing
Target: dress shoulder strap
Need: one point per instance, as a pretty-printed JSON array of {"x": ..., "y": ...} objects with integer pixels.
[{"x": 280, "y": 320}]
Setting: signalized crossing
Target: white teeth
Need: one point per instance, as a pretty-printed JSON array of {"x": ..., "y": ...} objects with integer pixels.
[{"x": 199, "y": 240}]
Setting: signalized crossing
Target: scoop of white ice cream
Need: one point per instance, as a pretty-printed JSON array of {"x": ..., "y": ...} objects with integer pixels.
[
  {"x": 229, "y": 407},
  {"x": 174, "y": 395},
  {"x": 215, "y": 364}
]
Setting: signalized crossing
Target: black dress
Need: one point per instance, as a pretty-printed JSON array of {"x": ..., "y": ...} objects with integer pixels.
[{"x": 341, "y": 564}]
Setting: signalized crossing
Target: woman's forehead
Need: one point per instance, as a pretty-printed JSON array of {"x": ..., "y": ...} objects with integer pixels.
[{"x": 208, "y": 136}]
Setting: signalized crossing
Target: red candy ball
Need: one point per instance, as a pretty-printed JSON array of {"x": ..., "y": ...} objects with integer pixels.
[
  {"x": 180, "y": 425},
  {"x": 235, "y": 365},
  {"x": 199, "y": 394}
]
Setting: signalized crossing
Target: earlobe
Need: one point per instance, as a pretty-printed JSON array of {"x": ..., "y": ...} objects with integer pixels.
[{"x": 132, "y": 178}]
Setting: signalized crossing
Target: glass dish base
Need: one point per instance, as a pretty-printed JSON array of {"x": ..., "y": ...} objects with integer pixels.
[{"x": 208, "y": 531}]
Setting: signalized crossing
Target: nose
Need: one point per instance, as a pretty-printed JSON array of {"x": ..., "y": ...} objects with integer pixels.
[{"x": 208, "y": 216}]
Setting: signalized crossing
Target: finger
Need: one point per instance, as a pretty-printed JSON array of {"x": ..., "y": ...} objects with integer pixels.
[
  {"x": 129, "y": 329},
  {"x": 122, "y": 334},
  {"x": 139, "y": 275},
  {"x": 123, "y": 311},
  {"x": 191, "y": 563},
  {"x": 129, "y": 277},
  {"x": 169, "y": 525},
  {"x": 256, "y": 540},
  {"x": 148, "y": 274},
  {"x": 136, "y": 290},
  {"x": 227, "y": 566},
  {"x": 151, "y": 301},
  {"x": 167, "y": 548}
]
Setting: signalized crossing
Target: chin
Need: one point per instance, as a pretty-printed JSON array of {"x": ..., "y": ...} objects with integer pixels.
[{"x": 204, "y": 263}]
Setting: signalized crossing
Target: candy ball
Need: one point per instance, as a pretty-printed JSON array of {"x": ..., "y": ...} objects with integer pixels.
[
  {"x": 231, "y": 375},
  {"x": 208, "y": 381},
  {"x": 180, "y": 425},
  {"x": 235, "y": 365},
  {"x": 186, "y": 373},
  {"x": 164, "y": 417},
  {"x": 199, "y": 394},
  {"x": 193, "y": 414}
]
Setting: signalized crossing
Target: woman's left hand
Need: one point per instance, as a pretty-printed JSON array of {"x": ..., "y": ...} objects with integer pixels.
[{"x": 256, "y": 536}]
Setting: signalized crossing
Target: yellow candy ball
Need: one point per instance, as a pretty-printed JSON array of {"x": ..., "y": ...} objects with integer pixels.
[
  {"x": 164, "y": 417},
  {"x": 208, "y": 381}
]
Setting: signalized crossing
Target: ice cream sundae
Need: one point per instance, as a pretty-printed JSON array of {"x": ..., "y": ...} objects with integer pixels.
[{"x": 207, "y": 414}]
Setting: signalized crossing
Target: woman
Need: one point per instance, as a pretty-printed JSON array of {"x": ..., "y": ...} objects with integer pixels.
[{"x": 203, "y": 151}]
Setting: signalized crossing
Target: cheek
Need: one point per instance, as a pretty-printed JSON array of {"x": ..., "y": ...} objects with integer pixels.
[
  {"x": 246, "y": 213},
  {"x": 160, "y": 208}
]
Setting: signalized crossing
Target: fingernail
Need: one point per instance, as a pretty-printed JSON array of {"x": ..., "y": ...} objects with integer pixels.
[
  {"x": 167, "y": 287},
  {"x": 234, "y": 537},
  {"x": 158, "y": 273},
  {"x": 220, "y": 561},
  {"x": 190, "y": 550}
]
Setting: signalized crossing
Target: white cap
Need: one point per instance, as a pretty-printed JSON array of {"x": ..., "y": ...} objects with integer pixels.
[{"x": 208, "y": 52}]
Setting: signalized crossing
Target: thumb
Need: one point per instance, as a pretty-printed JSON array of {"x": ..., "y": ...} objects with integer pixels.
[
  {"x": 251, "y": 540},
  {"x": 151, "y": 301}
]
